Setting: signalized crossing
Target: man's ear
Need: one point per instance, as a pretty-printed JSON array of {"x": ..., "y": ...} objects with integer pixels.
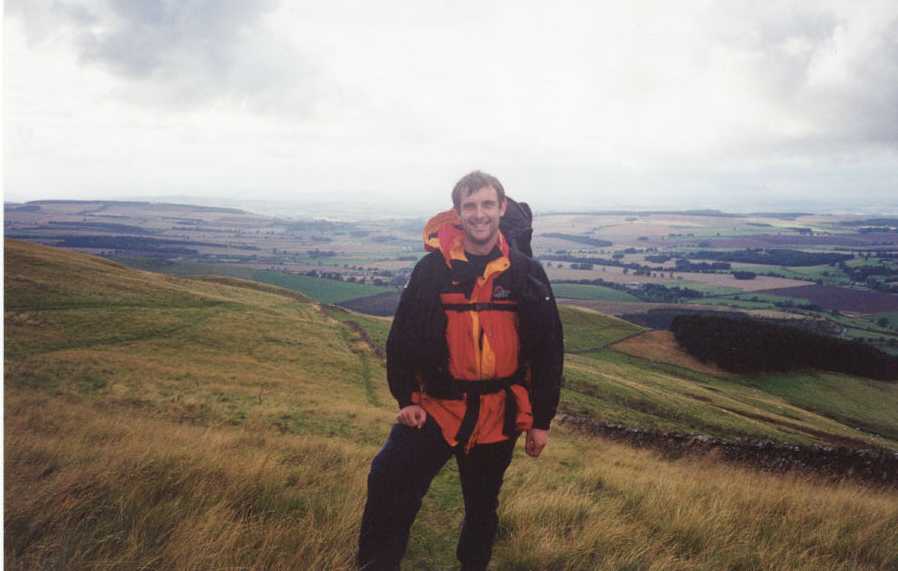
[{"x": 503, "y": 206}]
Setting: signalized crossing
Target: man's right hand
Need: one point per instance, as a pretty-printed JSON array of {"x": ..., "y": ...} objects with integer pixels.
[{"x": 412, "y": 416}]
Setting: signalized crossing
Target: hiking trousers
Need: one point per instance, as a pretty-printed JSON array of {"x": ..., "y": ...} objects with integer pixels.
[{"x": 400, "y": 476}]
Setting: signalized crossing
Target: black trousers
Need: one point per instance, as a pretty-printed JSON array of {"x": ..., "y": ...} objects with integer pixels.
[{"x": 400, "y": 476}]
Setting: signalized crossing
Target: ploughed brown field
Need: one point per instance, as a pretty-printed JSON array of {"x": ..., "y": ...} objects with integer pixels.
[{"x": 841, "y": 298}]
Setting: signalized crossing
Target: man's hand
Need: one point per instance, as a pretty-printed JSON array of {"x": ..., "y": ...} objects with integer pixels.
[
  {"x": 412, "y": 416},
  {"x": 536, "y": 441}
]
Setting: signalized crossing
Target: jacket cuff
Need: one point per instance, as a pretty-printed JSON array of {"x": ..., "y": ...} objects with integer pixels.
[
  {"x": 408, "y": 400},
  {"x": 541, "y": 423}
]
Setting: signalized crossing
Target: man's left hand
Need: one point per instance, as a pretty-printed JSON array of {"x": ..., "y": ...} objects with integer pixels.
[{"x": 536, "y": 441}]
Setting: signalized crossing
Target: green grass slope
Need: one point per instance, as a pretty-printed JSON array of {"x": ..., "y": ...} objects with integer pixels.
[
  {"x": 586, "y": 330},
  {"x": 636, "y": 392},
  {"x": 814, "y": 407},
  {"x": 160, "y": 422}
]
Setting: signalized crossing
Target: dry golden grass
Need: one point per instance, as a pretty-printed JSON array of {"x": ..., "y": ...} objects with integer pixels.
[
  {"x": 617, "y": 508},
  {"x": 92, "y": 489},
  {"x": 89, "y": 488},
  {"x": 661, "y": 347}
]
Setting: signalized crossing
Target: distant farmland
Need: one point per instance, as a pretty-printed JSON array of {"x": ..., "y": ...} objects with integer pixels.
[
  {"x": 768, "y": 241},
  {"x": 583, "y": 291},
  {"x": 382, "y": 304},
  {"x": 841, "y": 298}
]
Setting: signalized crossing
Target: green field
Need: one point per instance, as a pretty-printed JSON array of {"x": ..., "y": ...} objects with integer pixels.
[
  {"x": 738, "y": 302},
  {"x": 833, "y": 276},
  {"x": 321, "y": 290},
  {"x": 324, "y": 291},
  {"x": 860, "y": 261},
  {"x": 159, "y": 422},
  {"x": 892, "y": 318},
  {"x": 592, "y": 292},
  {"x": 751, "y": 300},
  {"x": 707, "y": 289},
  {"x": 586, "y": 330}
]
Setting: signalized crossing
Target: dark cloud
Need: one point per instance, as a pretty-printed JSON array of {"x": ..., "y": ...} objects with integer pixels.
[
  {"x": 833, "y": 70},
  {"x": 140, "y": 38},
  {"x": 183, "y": 52}
]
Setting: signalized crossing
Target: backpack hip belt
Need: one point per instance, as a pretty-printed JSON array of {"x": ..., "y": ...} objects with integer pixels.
[{"x": 471, "y": 391}]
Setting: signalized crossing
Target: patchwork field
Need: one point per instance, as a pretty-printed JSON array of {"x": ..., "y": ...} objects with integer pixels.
[
  {"x": 361, "y": 262},
  {"x": 682, "y": 279}
]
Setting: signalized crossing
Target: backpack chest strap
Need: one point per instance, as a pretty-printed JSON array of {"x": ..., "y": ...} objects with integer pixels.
[{"x": 483, "y": 306}]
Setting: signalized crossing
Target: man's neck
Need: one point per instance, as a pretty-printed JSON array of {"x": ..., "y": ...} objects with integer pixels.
[{"x": 480, "y": 249}]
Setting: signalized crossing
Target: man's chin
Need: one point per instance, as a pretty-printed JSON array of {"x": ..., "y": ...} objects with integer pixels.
[{"x": 480, "y": 241}]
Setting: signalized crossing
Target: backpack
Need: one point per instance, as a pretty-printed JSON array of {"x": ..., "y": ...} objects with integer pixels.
[{"x": 516, "y": 226}]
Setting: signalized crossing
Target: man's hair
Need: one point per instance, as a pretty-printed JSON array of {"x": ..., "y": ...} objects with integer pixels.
[{"x": 474, "y": 181}]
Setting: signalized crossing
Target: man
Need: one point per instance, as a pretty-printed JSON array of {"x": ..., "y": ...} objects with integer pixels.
[{"x": 474, "y": 357}]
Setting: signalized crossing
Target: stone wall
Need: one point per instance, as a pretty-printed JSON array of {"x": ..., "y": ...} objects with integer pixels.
[{"x": 872, "y": 465}]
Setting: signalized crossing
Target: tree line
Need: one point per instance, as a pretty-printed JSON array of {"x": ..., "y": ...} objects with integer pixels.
[
  {"x": 773, "y": 257},
  {"x": 745, "y": 345}
]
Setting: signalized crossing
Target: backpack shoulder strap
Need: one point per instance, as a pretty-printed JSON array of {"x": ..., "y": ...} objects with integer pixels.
[{"x": 520, "y": 269}]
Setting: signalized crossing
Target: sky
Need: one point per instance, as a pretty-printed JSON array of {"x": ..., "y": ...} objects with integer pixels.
[{"x": 572, "y": 105}]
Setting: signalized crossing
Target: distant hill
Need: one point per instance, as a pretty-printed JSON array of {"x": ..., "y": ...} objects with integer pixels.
[{"x": 157, "y": 205}]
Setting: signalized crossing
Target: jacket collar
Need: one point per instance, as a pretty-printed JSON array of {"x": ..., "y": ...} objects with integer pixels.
[{"x": 444, "y": 233}]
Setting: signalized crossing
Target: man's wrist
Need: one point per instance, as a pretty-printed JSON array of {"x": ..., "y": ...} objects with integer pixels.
[{"x": 542, "y": 424}]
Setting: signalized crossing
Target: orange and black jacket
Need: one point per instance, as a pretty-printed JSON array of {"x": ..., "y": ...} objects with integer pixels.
[{"x": 498, "y": 329}]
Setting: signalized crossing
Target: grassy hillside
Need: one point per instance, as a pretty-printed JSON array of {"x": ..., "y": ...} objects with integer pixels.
[
  {"x": 586, "y": 330},
  {"x": 159, "y": 422},
  {"x": 618, "y": 375}
]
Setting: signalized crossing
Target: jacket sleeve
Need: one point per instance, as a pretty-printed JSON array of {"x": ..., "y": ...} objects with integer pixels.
[
  {"x": 400, "y": 368},
  {"x": 547, "y": 359}
]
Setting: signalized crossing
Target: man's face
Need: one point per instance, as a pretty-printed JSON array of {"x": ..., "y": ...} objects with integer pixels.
[{"x": 480, "y": 213}]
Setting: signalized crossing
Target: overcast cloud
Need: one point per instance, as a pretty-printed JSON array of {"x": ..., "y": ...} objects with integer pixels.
[{"x": 673, "y": 104}]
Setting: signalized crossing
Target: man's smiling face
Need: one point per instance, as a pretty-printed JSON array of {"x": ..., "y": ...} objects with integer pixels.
[{"x": 480, "y": 213}]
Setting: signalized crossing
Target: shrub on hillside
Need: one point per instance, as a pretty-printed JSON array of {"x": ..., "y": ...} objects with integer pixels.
[{"x": 745, "y": 345}]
